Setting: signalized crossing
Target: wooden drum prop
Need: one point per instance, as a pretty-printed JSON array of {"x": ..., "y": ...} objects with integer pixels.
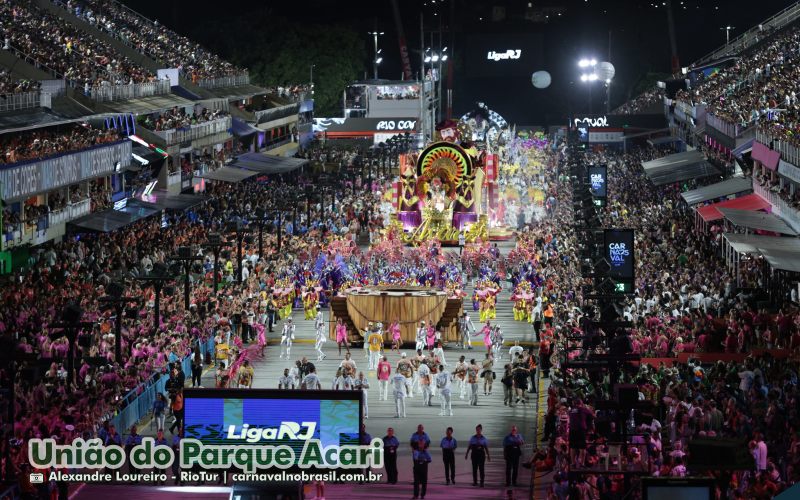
[{"x": 384, "y": 304}]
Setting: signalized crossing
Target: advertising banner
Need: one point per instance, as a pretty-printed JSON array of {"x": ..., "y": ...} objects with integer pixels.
[
  {"x": 786, "y": 169},
  {"x": 32, "y": 178},
  {"x": 290, "y": 418},
  {"x": 598, "y": 180},
  {"x": 618, "y": 250}
]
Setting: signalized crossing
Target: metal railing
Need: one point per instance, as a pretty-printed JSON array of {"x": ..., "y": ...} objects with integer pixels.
[
  {"x": 22, "y": 100},
  {"x": 751, "y": 36},
  {"x": 789, "y": 151},
  {"x": 70, "y": 212},
  {"x": 54, "y": 88},
  {"x": 728, "y": 128},
  {"x": 193, "y": 132},
  {"x": 138, "y": 403},
  {"x": 174, "y": 178},
  {"x": 268, "y": 115},
  {"x": 779, "y": 206},
  {"x": 109, "y": 93},
  {"x": 224, "y": 81},
  {"x": 216, "y": 104},
  {"x": 301, "y": 96}
]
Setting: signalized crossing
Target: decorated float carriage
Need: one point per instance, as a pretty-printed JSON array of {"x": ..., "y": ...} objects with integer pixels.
[{"x": 439, "y": 192}]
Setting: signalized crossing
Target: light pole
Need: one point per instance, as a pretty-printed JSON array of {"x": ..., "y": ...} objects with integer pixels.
[
  {"x": 214, "y": 242},
  {"x": 240, "y": 231},
  {"x": 186, "y": 258},
  {"x": 114, "y": 298},
  {"x": 260, "y": 218},
  {"x": 158, "y": 276},
  {"x": 377, "y": 58},
  {"x": 70, "y": 325},
  {"x": 728, "y": 34},
  {"x": 311, "y": 77}
]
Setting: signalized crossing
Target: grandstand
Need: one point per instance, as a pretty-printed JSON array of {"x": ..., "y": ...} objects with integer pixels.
[{"x": 101, "y": 66}]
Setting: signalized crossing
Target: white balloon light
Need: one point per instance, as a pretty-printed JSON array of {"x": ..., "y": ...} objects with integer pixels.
[
  {"x": 605, "y": 71},
  {"x": 541, "y": 79}
]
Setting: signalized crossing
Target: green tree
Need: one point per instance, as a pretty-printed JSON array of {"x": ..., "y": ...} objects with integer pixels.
[{"x": 278, "y": 51}]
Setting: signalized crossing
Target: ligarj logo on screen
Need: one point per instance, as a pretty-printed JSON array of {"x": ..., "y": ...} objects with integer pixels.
[
  {"x": 287, "y": 430},
  {"x": 618, "y": 253}
]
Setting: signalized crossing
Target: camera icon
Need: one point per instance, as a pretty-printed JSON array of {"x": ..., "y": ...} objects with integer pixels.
[{"x": 37, "y": 478}]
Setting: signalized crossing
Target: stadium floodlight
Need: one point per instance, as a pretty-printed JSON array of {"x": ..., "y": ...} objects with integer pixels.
[
  {"x": 435, "y": 57},
  {"x": 427, "y": 59},
  {"x": 444, "y": 57},
  {"x": 584, "y": 78},
  {"x": 378, "y": 60},
  {"x": 586, "y": 63}
]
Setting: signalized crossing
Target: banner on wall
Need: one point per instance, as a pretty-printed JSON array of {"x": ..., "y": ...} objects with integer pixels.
[
  {"x": 37, "y": 177},
  {"x": 788, "y": 170},
  {"x": 173, "y": 74}
]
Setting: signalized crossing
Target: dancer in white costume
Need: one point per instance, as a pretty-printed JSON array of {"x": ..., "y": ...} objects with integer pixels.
[
  {"x": 319, "y": 325},
  {"x": 287, "y": 337}
]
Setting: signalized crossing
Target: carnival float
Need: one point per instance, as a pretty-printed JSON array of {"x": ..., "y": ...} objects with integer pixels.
[{"x": 450, "y": 188}]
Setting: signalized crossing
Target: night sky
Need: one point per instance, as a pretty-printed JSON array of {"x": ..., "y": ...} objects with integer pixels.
[{"x": 639, "y": 41}]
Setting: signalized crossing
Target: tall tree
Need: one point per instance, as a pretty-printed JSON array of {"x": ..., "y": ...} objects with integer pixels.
[{"x": 279, "y": 51}]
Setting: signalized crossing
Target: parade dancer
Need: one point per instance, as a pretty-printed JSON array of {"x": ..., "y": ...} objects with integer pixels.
[
  {"x": 443, "y": 384},
  {"x": 319, "y": 325},
  {"x": 367, "y": 332},
  {"x": 461, "y": 375},
  {"x": 375, "y": 341},
  {"x": 472, "y": 378},
  {"x": 497, "y": 343},
  {"x": 362, "y": 384},
  {"x": 430, "y": 336},
  {"x": 438, "y": 355},
  {"x": 466, "y": 329},
  {"x": 416, "y": 362},
  {"x": 384, "y": 374},
  {"x": 400, "y": 386},
  {"x": 310, "y": 300},
  {"x": 405, "y": 367},
  {"x": 394, "y": 330},
  {"x": 424, "y": 377},
  {"x": 422, "y": 334},
  {"x": 341, "y": 336},
  {"x": 262, "y": 338},
  {"x": 287, "y": 337},
  {"x": 487, "y": 331}
]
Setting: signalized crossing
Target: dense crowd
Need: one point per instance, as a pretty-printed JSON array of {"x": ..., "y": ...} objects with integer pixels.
[
  {"x": 398, "y": 93},
  {"x": 79, "y": 270},
  {"x": 151, "y": 38},
  {"x": 11, "y": 85},
  {"x": 57, "y": 45},
  {"x": 179, "y": 118},
  {"x": 288, "y": 91},
  {"x": 685, "y": 301},
  {"x": 645, "y": 101},
  {"x": 44, "y": 143},
  {"x": 759, "y": 87}
]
